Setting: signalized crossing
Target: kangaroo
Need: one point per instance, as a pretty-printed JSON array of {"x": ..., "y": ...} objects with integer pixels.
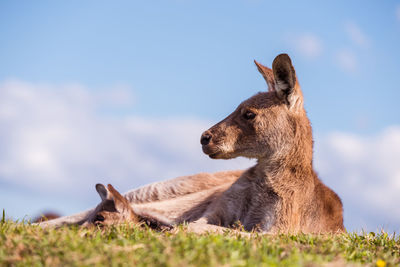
[{"x": 280, "y": 194}]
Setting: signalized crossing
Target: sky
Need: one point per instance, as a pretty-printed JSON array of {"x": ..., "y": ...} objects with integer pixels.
[{"x": 120, "y": 91}]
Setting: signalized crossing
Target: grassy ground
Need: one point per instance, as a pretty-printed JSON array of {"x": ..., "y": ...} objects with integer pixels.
[{"x": 28, "y": 245}]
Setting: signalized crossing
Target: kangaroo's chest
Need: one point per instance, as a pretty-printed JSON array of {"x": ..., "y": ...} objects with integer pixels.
[
  {"x": 259, "y": 211},
  {"x": 253, "y": 205}
]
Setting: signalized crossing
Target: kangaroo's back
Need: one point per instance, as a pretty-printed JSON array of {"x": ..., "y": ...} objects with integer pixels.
[{"x": 330, "y": 209}]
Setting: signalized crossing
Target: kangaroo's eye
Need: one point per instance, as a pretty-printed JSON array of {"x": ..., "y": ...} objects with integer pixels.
[{"x": 248, "y": 115}]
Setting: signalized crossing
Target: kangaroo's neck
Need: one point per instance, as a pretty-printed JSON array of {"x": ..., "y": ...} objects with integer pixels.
[{"x": 289, "y": 169}]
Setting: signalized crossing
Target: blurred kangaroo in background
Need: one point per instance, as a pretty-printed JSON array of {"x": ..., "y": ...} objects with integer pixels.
[{"x": 281, "y": 193}]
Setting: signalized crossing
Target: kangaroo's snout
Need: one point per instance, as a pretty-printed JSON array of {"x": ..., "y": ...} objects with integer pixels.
[
  {"x": 205, "y": 138},
  {"x": 208, "y": 145}
]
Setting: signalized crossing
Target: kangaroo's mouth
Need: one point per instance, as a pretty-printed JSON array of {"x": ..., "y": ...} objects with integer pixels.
[
  {"x": 214, "y": 155},
  {"x": 212, "y": 151}
]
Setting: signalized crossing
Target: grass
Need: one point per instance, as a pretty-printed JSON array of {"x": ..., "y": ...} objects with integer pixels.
[{"x": 22, "y": 244}]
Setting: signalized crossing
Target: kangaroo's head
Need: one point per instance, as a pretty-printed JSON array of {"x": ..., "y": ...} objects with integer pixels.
[
  {"x": 113, "y": 208},
  {"x": 266, "y": 123}
]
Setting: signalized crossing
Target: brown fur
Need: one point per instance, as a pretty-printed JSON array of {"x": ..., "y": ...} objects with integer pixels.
[{"x": 281, "y": 193}]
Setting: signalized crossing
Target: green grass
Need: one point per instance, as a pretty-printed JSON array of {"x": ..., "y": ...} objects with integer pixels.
[{"x": 22, "y": 244}]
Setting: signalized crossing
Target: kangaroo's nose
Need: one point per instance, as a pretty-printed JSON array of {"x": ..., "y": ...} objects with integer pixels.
[{"x": 205, "y": 138}]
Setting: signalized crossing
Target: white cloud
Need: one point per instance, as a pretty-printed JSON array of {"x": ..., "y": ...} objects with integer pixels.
[
  {"x": 365, "y": 171},
  {"x": 120, "y": 96},
  {"x": 346, "y": 60},
  {"x": 357, "y": 35},
  {"x": 309, "y": 45}
]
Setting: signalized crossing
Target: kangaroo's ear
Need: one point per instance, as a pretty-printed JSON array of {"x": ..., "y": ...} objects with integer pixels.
[
  {"x": 120, "y": 202},
  {"x": 286, "y": 84},
  {"x": 267, "y": 74},
  {"x": 103, "y": 192}
]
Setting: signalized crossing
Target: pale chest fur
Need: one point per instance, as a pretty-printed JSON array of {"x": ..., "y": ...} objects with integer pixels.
[{"x": 251, "y": 202}]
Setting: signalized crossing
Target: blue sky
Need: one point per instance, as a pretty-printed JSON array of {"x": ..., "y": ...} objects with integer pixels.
[{"x": 104, "y": 90}]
